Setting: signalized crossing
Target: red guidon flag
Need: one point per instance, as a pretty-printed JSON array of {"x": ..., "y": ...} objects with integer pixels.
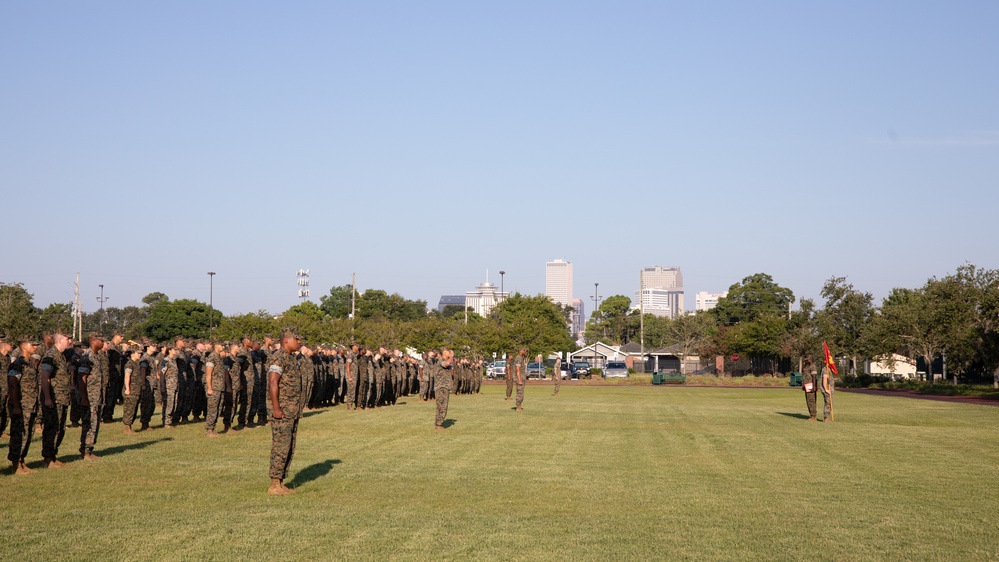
[{"x": 829, "y": 360}]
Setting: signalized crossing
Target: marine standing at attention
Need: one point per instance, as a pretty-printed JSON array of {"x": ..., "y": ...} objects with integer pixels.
[{"x": 284, "y": 392}]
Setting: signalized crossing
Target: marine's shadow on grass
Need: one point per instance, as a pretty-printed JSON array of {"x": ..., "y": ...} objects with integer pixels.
[
  {"x": 448, "y": 423},
  {"x": 68, "y": 458},
  {"x": 311, "y": 413},
  {"x": 313, "y": 472},
  {"x": 794, "y": 415},
  {"x": 130, "y": 447}
]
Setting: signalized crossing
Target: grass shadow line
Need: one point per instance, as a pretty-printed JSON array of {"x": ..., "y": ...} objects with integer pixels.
[
  {"x": 794, "y": 415},
  {"x": 448, "y": 423}
]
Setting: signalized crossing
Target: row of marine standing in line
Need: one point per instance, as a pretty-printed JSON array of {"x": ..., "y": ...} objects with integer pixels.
[{"x": 45, "y": 380}]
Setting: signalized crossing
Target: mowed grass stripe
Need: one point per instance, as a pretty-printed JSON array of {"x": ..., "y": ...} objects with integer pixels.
[{"x": 596, "y": 473}]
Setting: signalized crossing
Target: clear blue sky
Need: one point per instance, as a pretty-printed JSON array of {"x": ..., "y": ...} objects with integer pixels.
[{"x": 419, "y": 144}]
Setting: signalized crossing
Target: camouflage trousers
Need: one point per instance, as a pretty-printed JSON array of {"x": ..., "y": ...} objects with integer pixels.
[
  {"x": 376, "y": 389},
  {"x": 129, "y": 409},
  {"x": 520, "y": 394},
  {"x": 810, "y": 402},
  {"x": 199, "y": 402},
  {"x": 53, "y": 429},
  {"x": 442, "y": 393},
  {"x": 90, "y": 427},
  {"x": 509, "y": 388},
  {"x": 170, "y": 404},
  {"x": 826, "y": 406},
  {"x": 214, "y": 401},
  {"x": 424, "y": 389},
  {"x": 3, "y": 407},
  {"x": 351, "y": 396},
  {"x": 76, "y": 409},
  {"x": 283, "y": 434},
  {"x": 558, "y": 383},
  {"x": 147, "y": 405},
  {"x": 113, "y": 392},
  {"x": 244, "y": 403},
  {"x": 21, "y": 428}
]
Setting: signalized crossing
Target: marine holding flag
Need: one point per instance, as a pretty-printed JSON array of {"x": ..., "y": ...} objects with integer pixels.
[{"x": 827, "y": 384}]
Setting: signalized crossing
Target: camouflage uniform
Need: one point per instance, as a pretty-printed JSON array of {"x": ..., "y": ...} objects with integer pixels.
[
  {"x": 827, "y": 376},
  {"x": 305, "y": 370},
  {"x": 217, "y": 364},
  {"x": 520, "y": 362},
  {"x": 376, "y": 386},
  {"x": 810, "y": 384},
  {"x": 136, "y": 382},
  {"x": 442, "y": 390},
  {"x": 423, "y": 374},
  {"x": 353, "y": 373},
  {"x": 240, "y": 365},
  {"x": 116, "y": 382},
  {"x": 95, "y": 367},
  {"x": 25, "y": 372},
  {"x": 257, "y": 406},
  {"x": 150, "y": 390},
  {"x": 4, "y": 368},
  {"x": 171, "y": 384},
  {"x": 557, "y": 375},
  {"x": 54, "y": 418},
  {"x": 509, "y": 374},
  {"x": 284, "y": 430}
]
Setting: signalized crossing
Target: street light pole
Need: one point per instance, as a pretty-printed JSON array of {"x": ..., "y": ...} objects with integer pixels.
[
  {"x": 211, "y": 309},
  {"x": 101, "y": 300},
  {"x": 502, "y": 295}
]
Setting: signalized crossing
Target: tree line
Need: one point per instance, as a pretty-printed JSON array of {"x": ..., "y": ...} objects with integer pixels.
[{"x": 954, "y": 317}]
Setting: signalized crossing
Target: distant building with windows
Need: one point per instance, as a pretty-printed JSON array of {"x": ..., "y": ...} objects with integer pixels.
[
  {"x": 661, "y": 291},
  {"x": 446, "y": 300},
  {"x": 558, "y": 282},
  {"x": 704, "y": 300},
  {"x": 578, "y": 317}
]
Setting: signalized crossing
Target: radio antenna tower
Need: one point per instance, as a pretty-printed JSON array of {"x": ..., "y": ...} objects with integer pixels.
[{"x": 303, "y": 284}]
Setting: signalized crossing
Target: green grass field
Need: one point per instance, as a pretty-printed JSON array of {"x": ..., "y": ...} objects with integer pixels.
[{"x": 616, "y": 472}]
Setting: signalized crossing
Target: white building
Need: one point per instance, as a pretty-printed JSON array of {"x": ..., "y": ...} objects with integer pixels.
[
  {"x": 558, "y": 282},
  {"x": 704, "y": 300},
  {"x": 661, "y": 291},
  {"x": 484, "y": 298},
  {"x": 666, "y": 303}
]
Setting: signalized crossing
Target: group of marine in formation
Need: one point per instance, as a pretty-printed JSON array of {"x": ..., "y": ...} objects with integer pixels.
[{"x": 245, "y": 384}]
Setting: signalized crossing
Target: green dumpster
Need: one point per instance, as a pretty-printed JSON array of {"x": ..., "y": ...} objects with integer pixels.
[
  {"x": 657, "y": 378},
  {"x": 795, "y": 379}
]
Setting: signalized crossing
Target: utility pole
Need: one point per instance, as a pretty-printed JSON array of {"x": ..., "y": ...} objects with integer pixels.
[
  {"x": 211, "y": 308},
  {"x": 502, "y": 296},
  {"x": 101, "y": 299}
]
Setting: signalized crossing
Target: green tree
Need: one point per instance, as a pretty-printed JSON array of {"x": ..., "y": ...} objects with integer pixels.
[
  {"x": 57, "y": 317},
  {"x": 154, "y": 298},
  {"x": 184, "y": 317},
  {"x": 337, "y": 303},
  {"x": 689, "y": 332},
  {"x": 755, "y": 296},
  {"x": 802, "y": 333},
  {"x": 18, "y": 315},
  {"x": 845, "y": 321},
  {"x": 535, "y": 323},
  {"x": 612, "y": 322}
]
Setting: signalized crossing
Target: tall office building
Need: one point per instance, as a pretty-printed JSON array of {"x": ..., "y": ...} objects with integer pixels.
[
  {"x": 558, "y": 282},
  {"x": 661, "y": 292}
]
